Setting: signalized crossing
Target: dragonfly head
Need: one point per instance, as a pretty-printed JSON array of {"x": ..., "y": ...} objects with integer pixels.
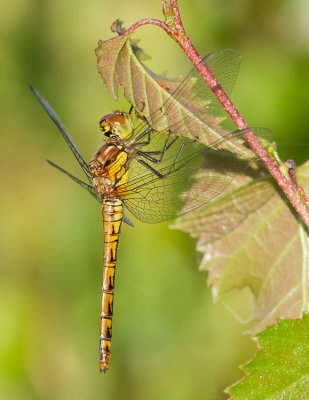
[{"x": 116, "y": 126}]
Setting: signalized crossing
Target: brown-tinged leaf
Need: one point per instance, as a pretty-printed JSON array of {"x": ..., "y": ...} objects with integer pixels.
[
  {"x": 189, "y": 110},
  {"x": 108, "y": 56},
  {"x": 250, "y": 238}
]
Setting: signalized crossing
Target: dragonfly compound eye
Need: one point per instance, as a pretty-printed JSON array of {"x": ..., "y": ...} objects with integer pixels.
[{"x": 117, "y": 124}]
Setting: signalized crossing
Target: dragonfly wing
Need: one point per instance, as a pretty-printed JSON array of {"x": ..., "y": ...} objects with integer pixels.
[
  {"x": 153, "y": 199},
  {"x": 89, "y": 188},
  {"x": 226, "y": 214},
  {"x": 224, "y": 64},
  {"x": 190, "y": 109},
  {"x": 198, "y": 176},
  {"x": 64, "y": 133}
]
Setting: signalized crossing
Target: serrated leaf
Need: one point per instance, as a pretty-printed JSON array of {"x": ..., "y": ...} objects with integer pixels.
[
  {"x": 108, "y": 54},
  {"x": 189, "y": 113},
  {"x": 280, "y": 369},
  {"x": 250, "y": 238}
]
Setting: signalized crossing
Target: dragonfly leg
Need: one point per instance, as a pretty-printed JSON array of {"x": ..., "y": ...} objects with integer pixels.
[
  {"x": 131, "y": 110},
  {"x": 153, "y": 170},
  {"x": 150, "y": 154},
  {"x": 154, "y": 160},
  {"x": 138, "y": 113},
  {"x": 177, "y": 157},
  {"x": 136, "y": 142}
]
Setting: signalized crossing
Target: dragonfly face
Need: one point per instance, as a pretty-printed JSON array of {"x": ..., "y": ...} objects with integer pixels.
[{"x": 118, "y": 125}]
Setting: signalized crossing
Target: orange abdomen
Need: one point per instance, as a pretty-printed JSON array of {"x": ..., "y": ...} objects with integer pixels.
[{"x": 112, "y": 221}]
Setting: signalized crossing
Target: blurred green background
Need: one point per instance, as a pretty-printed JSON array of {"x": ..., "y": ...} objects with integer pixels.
[{"x": 169, "y": 340}]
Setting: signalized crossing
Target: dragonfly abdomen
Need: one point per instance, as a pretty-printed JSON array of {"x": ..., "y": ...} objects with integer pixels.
[{"x": 112, "y": 220}]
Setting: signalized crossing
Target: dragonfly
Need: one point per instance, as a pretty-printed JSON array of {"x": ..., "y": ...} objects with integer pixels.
[{"x": 157, "y": 174}]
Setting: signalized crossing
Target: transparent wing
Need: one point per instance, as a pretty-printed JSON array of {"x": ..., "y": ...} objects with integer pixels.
[
  {"x": 190, "y": 110},
  {"x": 189, "y": 176},
  {"x": 64, "y": 133},
  {"x": 227, "y": 213}
]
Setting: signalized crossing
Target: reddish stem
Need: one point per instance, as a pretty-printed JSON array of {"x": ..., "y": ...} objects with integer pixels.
[
  {"x": 179, "y": 35},
  {"x": 177, "y": 18},
  {"x": 148, "y": 21}
]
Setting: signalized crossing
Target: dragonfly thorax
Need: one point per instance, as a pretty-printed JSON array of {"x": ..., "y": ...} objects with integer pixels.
[
  {"x": 109, "y": 170},
  {"x": 118, "y": 125}
]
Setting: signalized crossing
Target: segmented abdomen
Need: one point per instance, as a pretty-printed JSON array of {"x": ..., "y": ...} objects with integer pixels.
[{"x": 112, "y": 220}]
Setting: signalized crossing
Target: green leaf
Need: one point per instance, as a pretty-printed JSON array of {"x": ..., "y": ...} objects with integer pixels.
[
  {"x": 255, "y": 251},
  {"x": 280, "y": 369},
  {"x": 191, "y": 114}
]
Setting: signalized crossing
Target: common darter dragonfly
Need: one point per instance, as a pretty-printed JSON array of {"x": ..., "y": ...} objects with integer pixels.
[{"x": 157, "y": 174}]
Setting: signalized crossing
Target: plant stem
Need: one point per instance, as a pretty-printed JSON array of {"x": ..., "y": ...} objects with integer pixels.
[
  {"x": 148, "y": 21},
  {"x": 178, "y": 33}
]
